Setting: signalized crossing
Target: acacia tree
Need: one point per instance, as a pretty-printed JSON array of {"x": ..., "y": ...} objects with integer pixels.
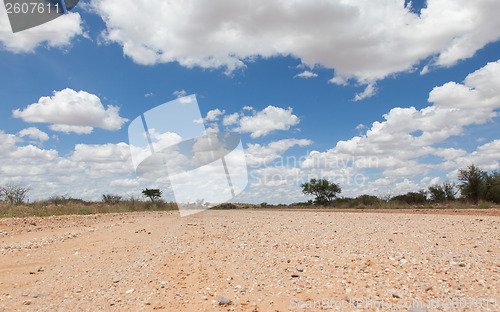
[
  {"x": 153, "y": 194},
  {"x": 323, "y": 190},
  {"x": 444, "y": 192},
  {"x": 473, "y": 184},
  {"x": 493, "y": 187},
  {"x": 14, "y": 194},
  {"x": 450, "y": 190},
  {"x": 437, "y": 193}
]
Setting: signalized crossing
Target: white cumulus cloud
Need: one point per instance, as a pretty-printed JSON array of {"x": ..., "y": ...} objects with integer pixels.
[
  {"x": 269, "y": 119},
  {"x": 56, "y": 33},
  {"x": 230, "y": 119},
  {"x": 214, "y": 114},
  {"x": 259, "y": 155},
  {"x": 396, "y": 144},
  {"x": 34, "y": 134},
  {"x": 71, "y": 111},
  {"x": 365, "y": 40}
]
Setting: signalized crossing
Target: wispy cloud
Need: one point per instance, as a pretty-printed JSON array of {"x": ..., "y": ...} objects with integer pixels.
[
  {"x": 306, "y": 74},
  {"x": 369, "y": 91},
  {"x": 180, "y": 93}
]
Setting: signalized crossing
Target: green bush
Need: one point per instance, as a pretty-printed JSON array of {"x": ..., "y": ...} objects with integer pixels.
[
  {"x": 479, "y": 185},
  {"x": 484, "y": 206},
  {"x": 111, "y": 199},
  {"x": 411, "y": 198},
  {"x": 225, "y": 206},
  {"x": 368, "y": 200},
  {"x": 473, "y": 186},
  {"x": 493, "y": 187}
]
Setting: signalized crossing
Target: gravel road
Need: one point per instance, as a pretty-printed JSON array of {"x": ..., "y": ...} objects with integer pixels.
[{"x": 250, "y": 260}]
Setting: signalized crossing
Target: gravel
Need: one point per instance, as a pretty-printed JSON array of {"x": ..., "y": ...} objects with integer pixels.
[
  {"x": 223, "y": 300},
  {"x": 249, "y": 258}
]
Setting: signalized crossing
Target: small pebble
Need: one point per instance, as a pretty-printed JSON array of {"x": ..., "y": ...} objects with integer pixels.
[
  {"x": 418, "y": 309},
  {"x": 223, "y": 300}
]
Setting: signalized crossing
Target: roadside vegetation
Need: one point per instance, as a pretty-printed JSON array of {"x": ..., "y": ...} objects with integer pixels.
[
  {"x": 65, "y": 205},
  {"x": 477, "y": 188}
]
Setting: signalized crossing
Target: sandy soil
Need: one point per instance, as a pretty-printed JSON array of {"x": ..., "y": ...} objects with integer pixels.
[{"x": 260, "y": 260}]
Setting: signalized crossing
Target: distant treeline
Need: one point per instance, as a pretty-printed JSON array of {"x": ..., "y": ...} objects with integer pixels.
[{"x": 476, "y": 187}]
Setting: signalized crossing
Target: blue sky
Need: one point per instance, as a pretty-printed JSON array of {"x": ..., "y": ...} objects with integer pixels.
[{"x": 380, "y": 97}]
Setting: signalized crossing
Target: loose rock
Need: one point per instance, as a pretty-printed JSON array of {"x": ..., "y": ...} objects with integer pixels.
[
  {"x": 223, "y": 300},
  {"x": 40, "y": 295},
  {"x": 418, "y": 309}
]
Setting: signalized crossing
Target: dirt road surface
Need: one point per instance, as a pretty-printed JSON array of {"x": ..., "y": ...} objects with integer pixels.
[{"x": 259, "y": 260}]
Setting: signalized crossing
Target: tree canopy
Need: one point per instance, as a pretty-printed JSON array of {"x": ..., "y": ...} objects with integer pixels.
[
  {"x": 14, "y": 194},
  {"x": 323, "y": 190},
  {"x": 153, "y": 194},
  {"x": 473, "y": 184},
  {"x": 442, "y": 193}
]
